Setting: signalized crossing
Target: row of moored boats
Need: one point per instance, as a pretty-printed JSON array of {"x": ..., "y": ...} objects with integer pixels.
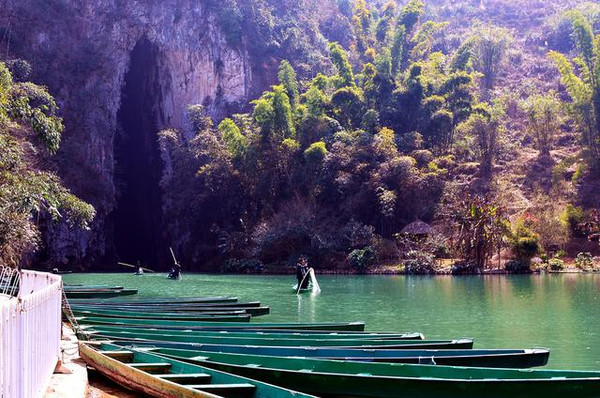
[{"x": 208, "y": 347}]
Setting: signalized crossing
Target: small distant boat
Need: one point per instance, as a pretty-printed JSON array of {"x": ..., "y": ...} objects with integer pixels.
[
  {"x": 174, "y": 275},
  {"x": 311, "y": 286},
  {"x": 163, "y": 377}
]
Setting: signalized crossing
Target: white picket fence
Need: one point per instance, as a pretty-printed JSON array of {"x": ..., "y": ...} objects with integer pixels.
[{"x": 30, "y": 327}]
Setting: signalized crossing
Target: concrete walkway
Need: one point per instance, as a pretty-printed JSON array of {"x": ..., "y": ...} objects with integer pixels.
[{"x": 70, "y": 380}]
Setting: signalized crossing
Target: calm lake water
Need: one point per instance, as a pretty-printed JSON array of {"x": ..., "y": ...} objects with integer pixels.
[{"x": 560, "y": 312}]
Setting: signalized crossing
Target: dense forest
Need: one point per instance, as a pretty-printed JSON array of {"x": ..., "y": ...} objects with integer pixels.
[{"x": 402, "y": 136}]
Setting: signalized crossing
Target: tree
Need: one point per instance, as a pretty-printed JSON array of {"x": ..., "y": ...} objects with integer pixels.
[
  {"x": 525, "y": 244},
  {"x": 273, "y": 114},
  {"x": 235, "y": 141},
  {"x": 347, "y": 103},
  {"x": 386, "y": 16},
  {"x": 484, "y": 125},
  {"x": 361, "y": 23},
  {"x": 584, "y": 90},
  {"x": 283, "y": 123},
  {"x": 339, "y": 58},
  {"x": 315, "y": 100},
  {"x": 480, "y": 226},
  {"x": 410, "y": 14},
  {"x": 385, "y": 144},
  {"x": 489, "y": 50},
  {"x": 287, "y": 78},
  {"x": 198, "y": 118},
  {"x": 397, "y": 50},
  {"x": 28, "y": 193},
  {"x": 316, "y": 152},
  {"x": 544, "y": 115}
]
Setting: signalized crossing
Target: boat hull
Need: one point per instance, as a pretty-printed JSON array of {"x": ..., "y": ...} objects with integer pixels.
[
  {"x": 81, "y": 293},
  {"x": 352, "y": 379},
  {"x": 279, "y": 342},
  {"x": 147, "y": 323},
  {"x": 148, "y": 384},
  {"x": 500, "y": 358}
]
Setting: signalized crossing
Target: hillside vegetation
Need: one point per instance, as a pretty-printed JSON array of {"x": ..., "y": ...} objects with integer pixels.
[
  {"x": 30, "y": 193},
  {"x": 425, "y": 136},
  {"x": 480, "y": 118}
]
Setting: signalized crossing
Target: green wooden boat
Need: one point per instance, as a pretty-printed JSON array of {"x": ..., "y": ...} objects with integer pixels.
[
  {"x": 99, "y": 293},
  {"x": 233, "y": 316},
  {"x": 163, "y": 300},
  {"x": 161, "y": 377},
  {"x": 497, "y": 358},
  {"x": 186, "y": 308},
  {"x": 291, "y": 342},
  {"x": 329, "y": 378},
  {"x": 121, "y": 303},
  {"x": 272, "y": 334},
  {"x": 91, "y": 287},
  {"x": 157, "y": 323},
  {"x": 168, "y": 318}
]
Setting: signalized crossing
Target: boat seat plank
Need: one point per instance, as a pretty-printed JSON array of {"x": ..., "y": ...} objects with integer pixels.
[
  {"x": 123, "y": 356},
  {"x": 156, "y": 367},
  {"x": 225, "y": 390},
  {"x": 186, "y": 378}
]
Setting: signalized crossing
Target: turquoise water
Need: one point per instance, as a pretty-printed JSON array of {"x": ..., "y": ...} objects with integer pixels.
[{"x": 560, "y": 312}]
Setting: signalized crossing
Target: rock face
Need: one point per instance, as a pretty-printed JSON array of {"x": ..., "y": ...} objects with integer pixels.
[{"x": 81, "y": 49}]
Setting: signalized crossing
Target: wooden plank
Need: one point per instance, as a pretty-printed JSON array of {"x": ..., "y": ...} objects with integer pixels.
[
  {"x": 226, "y": 390},
  {"x": 186, "y": 378},
  {"x": 123, "y": 356},
  {"x": 157, "y": 367}
]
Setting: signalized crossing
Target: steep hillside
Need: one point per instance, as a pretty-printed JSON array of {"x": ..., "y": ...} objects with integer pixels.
[{"x": 419, "y": 112}]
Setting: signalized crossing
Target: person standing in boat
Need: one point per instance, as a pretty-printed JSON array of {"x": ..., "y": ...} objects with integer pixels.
[{"x": 302, "y": 273}]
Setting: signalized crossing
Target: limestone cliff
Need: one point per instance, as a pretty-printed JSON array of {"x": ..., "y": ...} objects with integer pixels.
[{"x": 82, "y": 50}]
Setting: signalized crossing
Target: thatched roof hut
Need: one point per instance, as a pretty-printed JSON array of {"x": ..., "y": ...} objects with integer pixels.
[{"x": 417, "y": 228}]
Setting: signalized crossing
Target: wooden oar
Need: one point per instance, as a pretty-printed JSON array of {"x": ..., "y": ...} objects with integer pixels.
[
  {"x": 175, "y": 261},
  {"x": 135, "y": 266}
]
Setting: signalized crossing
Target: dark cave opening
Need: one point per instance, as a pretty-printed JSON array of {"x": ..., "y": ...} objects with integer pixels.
[{"x": 138, "y": 215}]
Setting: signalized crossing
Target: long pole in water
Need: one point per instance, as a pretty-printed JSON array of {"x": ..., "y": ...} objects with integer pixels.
[
  {"x": 175, "y": 261},
  {"x": 135, "y": 266}
]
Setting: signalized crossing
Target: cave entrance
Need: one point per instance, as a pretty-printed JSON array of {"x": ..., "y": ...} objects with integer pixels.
[{"x": 138, "y": 166}]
